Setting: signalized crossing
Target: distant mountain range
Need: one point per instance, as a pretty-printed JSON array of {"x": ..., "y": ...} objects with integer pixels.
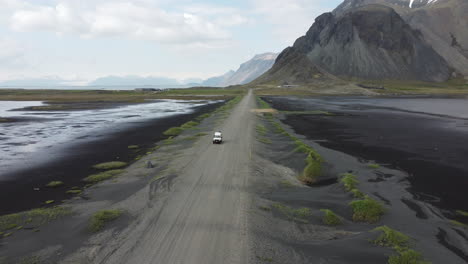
[
  {"x": 379, "y": 39},
  {"x": 247, "y": 72}
]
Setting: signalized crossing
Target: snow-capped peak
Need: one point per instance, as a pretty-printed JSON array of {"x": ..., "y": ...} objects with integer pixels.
[{"x": 427, "y": 2}]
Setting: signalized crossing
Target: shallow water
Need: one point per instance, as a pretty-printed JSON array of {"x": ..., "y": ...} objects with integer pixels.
[{"x": 36, "y": 133}]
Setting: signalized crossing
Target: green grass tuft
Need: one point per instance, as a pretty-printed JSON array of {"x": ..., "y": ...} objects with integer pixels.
[
  {"x": 358, "y": 194},
  {"x": 133, "y": 147},
  {"x": 330, "y": 218},
  {"x": 462, "y": 213},
  {"x": 349, "y": 181},
  {"x": 391, "y": 238},
  {"x": 458, "y": 223},
  {"x": 367, "y": 210},
  {"x": 313, "y": 169},
  {"x": 407, "y": 256},
  {"x": 299, "y": 214},
  {"x": 34, "y": 217},
  {"x": 74, "y": 191},
  {"x": 373, "y": 166},
  {"x": 54, "y": 184},
  {"x": 99, "y": 219},
  {"x": 95, "y": 178},
  {"x": 189, "y": 124},
  {"x": 261, "y": 129},
  {"x": 110, "y": 165},
  {"x": 49, "y": 201},
  {"x": 173, "y": 131}
]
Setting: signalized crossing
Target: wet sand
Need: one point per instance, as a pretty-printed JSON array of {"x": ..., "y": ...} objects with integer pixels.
[
  {"x": 349, "y": 145},
  {"x": 75, "y": 162},
  {"x": 428, "y": 146}
]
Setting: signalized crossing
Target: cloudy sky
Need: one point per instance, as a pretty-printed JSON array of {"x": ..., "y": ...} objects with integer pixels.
[{"x": 82, "y": 40}]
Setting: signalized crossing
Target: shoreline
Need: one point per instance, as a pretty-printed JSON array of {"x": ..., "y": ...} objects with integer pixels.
[{"x": 19, "y": 195}]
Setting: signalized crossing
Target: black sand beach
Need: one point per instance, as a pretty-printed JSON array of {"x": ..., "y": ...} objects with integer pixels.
[
  {"x": 18, "y": 194},
  {"x": 429, "y": 147}
]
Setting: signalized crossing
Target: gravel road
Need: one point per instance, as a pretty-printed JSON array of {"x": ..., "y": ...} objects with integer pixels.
[{"x": 203, "y": 219}]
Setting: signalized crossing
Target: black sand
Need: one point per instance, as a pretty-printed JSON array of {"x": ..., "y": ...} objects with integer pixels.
[
  {"x": 429, "y": 148},
  {"x": 77, "y": 161}
]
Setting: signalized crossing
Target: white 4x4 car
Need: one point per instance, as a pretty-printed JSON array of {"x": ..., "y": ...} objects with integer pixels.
[{"x": 217, "y": 138}]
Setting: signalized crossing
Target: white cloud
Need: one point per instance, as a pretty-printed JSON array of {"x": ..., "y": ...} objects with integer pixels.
[
  {"x": 136, "y": 20},
  {"x": 11, "y": 53},
  {"x": 290, "y": 19}
]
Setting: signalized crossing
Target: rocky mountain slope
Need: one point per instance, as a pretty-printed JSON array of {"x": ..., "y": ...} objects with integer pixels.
[
  {"x": 246, "y": 73},
  {"x": 370, "y": 42},
  {"x": 443, "y": 23}
]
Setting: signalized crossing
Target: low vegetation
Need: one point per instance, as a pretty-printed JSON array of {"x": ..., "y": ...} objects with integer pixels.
[
  {"x": 101, "y": 218},
  {"x": 330, "y": 218},
  {"x": 33, "y": 218},
  {"x": 401, "y": 244},
  {"x": 462, "y": 213},
  {"x": 373, "y": 166},
  {"x": 349, "y": 181},
  {"x": 74, "y": 191},
  {"x": 189, "y": 124},
  {"x": 95, "y": 178},
  {"x": 391, "y": 238},
  {"x": 54, "y": 184},
  {"x": 133, "y": 147},
  {"x": 298, "y": 214},
  {"x": 367, "y": 210},
  {"x": 173, "y": 131},
  {"x": 110, "y": 165},
  {"x": 313, "y": 168},
  {"x": 407, "y": 256},
  {"x": 314, "y": 161},
  {"x": 49, "y": 201}
]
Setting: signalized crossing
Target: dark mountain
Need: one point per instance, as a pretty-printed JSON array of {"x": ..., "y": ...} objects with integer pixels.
[
  {"x": 370, "y": 42},
  {"x": 443, "y": 24},
  {"x": 247, "y": 72}
]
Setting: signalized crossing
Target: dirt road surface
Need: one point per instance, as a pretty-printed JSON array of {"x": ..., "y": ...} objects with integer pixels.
[{"x": 203, "y": 219}]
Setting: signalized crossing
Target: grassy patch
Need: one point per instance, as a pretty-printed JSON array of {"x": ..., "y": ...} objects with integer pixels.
[
  {"x": 349, "y": 181},
  {"x": 133, "y": 147},
  {"x": 264, "y": 140},
  {"x": 391, "y": 238},
  {"x": 189, "y": 124},
  {"x": 458, "y": 223},
  {"x": 34, "y": 217},
  {"x": 54, "y": 184},
  {"x": 173, "y": 131},
  {"x": 99, "y": 219},
  {"x": 367, "y": 210},
  {"x": 73, "y": 191},
  {"x": 110, "y": 165},
  {"x": 286, "y": 183},
  {"x": 407, "y": 256},
  {"x": 462, "y": 213},
  {"x": 373, "y": 166},
  {"x": 201, "y": 134},
  {"x": 49, "y": 201},
  {"x": 262, "y": 104},
  {"x": 299, "y": 214},
  {"x": 401, "y": 244},
  {"x": 330, "y": 218},
  {"x": 358, "y": 194},
  {"x": 313, "y": 168},
  {"x": 261, "y": 129},
  {"x": 265, "y": 259},
  {"x": 95, "y": 178}
]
